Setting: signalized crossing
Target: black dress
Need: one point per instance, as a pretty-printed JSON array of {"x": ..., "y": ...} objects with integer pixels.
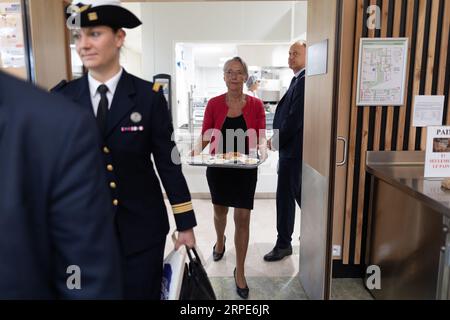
[{"x": 233, "y": 187}]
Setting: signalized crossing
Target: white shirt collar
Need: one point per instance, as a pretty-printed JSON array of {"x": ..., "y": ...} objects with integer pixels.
[
  {"x": 111, "y": 83},
  {"x": 298, "y": 73}
]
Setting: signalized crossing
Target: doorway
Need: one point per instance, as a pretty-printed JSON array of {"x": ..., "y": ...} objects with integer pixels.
[
  {"x": 173, "y": 36},
  {"x": 170, "y": 33}
]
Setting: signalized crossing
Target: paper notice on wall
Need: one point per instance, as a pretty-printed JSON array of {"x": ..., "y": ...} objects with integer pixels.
[
  {"x": 428, "y": 111},
  {"x": 437, "y": 160},
  {"x": 12, "y": 53}
]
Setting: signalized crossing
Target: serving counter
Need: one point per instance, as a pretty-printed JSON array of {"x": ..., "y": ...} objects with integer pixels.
[{"x": 409, "y": 218}]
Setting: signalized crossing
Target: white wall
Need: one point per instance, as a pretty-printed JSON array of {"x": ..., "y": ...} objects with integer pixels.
[
  {"x": 264, "y": 55},
  {"x": 245, "y": 22},
  {"x": 131, "y": 55},
  {"x": 299, "y": 25},
  {"x": 212, "y": 79}
]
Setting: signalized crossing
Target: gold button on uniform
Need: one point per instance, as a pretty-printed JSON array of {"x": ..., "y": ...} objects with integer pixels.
[
  {"x": 110, "y": 168},
  {"x": 106, "y": 150},
  {"x": 115, "y": 202},
  {"x": 113, "y": 185}
]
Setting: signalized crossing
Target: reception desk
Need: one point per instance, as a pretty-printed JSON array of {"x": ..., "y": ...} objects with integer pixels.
[{"x": 408, "y": 228}]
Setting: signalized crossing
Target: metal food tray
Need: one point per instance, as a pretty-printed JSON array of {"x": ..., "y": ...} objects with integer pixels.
[{"x": 207, "y": 161}]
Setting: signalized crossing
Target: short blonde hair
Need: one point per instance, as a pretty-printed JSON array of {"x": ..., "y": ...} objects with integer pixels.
[{"x": 236, "y": 59}]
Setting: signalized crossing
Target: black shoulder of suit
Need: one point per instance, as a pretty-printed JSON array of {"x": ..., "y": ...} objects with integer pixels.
[{"x": 59, "y": 86}]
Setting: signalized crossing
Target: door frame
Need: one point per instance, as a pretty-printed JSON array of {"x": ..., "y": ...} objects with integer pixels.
[{"x": 318, "y": 198}]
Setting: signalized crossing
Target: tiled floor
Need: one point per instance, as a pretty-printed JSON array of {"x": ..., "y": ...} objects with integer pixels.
[
  {"x": 349, "y": 289},
  {"x": 275, "y": 280},
  {"x": 261, "y": 288}
]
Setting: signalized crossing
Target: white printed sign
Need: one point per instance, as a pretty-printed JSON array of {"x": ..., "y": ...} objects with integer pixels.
[
  {"x": 12, "y": 53},
  {"x": 428, "y": 111},
  {"x": 437, "y": 161}
]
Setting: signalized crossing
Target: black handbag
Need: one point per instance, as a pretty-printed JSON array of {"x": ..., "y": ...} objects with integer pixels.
[{"x": 196, "y": 284}]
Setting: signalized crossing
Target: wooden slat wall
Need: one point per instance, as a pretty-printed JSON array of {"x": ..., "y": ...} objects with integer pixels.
[
  {"x": 343, "y": 125},
  {"x": 353, "y": 142},
  {"x": 426, "y": 23}
]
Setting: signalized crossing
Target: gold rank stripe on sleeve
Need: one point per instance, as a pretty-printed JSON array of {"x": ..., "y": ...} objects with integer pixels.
[
  {"x": 156, "y": 87},
  {"x": 182, "y": 207}
]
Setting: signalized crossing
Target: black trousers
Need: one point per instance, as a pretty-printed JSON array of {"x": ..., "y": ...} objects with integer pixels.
[
  {"x": 143, "y": 273},
  {"x": 288, "y": 192}
]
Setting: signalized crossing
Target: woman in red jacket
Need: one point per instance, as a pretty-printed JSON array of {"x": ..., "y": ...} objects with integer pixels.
[{"x": 233, "y": 123}]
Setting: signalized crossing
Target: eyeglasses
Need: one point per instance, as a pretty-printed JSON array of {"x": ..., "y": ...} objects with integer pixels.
[{"x": 231, "y": 73}]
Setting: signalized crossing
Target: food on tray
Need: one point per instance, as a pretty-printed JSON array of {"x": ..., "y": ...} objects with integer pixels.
[
  {"x": 232, "y": 156},
  {"x": 230, "y": 159},
  {"x": 219, "y": 161},
  {"x": 251, "y": 161},
  {"x": 446, "y": 184}
]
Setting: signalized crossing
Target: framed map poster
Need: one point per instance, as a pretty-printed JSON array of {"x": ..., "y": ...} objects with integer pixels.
[{"x": 382, "y": 71}]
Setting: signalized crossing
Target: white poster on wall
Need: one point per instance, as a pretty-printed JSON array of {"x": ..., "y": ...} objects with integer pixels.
[
  {"x": 428, "y": 111},
  {"x": 437, "y": 159},
  {"x": 12, "y": 54},
  {"x": 318, "y": 58},
  {"x": 382, "y": 71}
]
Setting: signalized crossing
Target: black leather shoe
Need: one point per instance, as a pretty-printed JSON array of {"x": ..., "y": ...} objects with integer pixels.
[
  {"x": 217, "y": 255},
  {"x": 242, "y": 292},
  {"x": 277, "y": 254}
]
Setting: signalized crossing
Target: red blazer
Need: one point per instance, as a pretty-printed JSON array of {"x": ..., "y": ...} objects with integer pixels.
[{"x": 216, "y": 113}]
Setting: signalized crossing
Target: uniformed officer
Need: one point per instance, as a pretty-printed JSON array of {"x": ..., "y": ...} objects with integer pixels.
[
  {"x": 133, "y": 117},
  {"x": 57, "y": 234}
]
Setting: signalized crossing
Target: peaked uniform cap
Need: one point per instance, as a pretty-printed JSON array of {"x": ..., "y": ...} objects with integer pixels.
[{"x": 92, "y": 13}]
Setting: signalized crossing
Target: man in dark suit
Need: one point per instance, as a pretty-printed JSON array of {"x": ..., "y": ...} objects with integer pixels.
[
  {"x": 134, "y": 120},
  {"x": 57, "y": 238},
  {"x": 288, "y": 140}
]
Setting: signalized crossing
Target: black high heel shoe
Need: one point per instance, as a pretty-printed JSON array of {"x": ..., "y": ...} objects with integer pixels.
[
  {"x": 242, "y": 292},
  {"x": 217, "y": 255}
]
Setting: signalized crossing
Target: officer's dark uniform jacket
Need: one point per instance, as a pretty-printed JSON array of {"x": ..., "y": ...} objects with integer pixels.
[
  {"x": 142, "y": 219},
  {"x": 55, "y": 210}
]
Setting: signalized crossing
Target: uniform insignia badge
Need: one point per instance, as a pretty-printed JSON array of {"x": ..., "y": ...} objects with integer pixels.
[
  {"x": 136, "y": 117},
  {"x": 92, "y": 16},
  {"x": 132, "y": 129},
  {"x": 76, "y": 9},
  {"x": 84, "y": 8},
  {"x": 156, "y": 87}
]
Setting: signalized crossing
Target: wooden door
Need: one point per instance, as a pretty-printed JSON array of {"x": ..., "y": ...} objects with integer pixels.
[{"x": 319, "y": 154}]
